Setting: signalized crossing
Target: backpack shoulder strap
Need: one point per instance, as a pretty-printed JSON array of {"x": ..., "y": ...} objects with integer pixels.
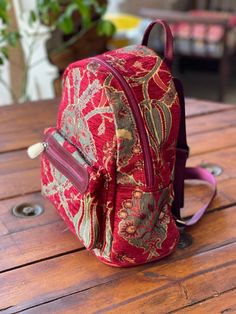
[
  {"x": 182, "y": 149},
  {"x": 182, "y": 173}
]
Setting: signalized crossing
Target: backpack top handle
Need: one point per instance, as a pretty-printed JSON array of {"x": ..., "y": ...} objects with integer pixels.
[{"x": 168, "y": 51}]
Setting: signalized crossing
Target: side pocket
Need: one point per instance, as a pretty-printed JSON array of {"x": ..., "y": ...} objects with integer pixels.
[
  {"x": 144, "y": 229},
  {"x": 74, "y": 187}
]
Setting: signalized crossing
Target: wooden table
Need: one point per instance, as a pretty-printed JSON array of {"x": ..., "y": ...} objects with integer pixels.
[{"x": 44, "y": 269}]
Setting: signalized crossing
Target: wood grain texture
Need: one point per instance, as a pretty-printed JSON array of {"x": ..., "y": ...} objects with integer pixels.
[
  {"x": 18, "y": 174},
  {"x": 166, "y": 286},
  {"x": 44, "y": 269},
  {"x": 212, "y": 141},
  {"x": 196, "y": 107},
  {"x": 23, "y": 125},
  {"x": 197, "y": 195},
  {"x": 36, "y": 244},
  {"x": 222, "y": 303},
  {"x": 148, "y": 292},
  {"x": 14, "y": 224},
  {"x": 214, "y": 231},
  {"x": 210, "y": 122},
  {"x": 39, "y": 231},
  {"x": 225, "y": 158},
  {"x": 26, "y": 240}
]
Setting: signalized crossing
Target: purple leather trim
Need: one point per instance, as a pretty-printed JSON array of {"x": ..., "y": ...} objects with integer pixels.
[
  {"x": 66, "y": 164},
  {"x": 168, "y": 53},
  {"x": 182, "y": 173},
  {"x": 202, "y": 174},
  {"x": 182, "y": 152}
]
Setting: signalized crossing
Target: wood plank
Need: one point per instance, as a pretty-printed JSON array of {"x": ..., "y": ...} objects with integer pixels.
[
  {"x": 228, "y": 164},
  {"x": 26, "y": 240},
  {"x": 79, "y": 271},
  {"x": 30, "y": 245},
  {"x": 203, "y": 143},
  {"x": 196, "y": 107},
  {"x": 26, "y": 233},
  {"x": 149, "y": 291},
  {"x": 20, "y": 183},
  {"x": 14, "y": 224},
  {"x": 15, "y": 165},
  {"x": 178, "y": 291},
  {"x": 197, "y": 195},
  {"x": 18, "y": 174},
  {"x": 195, "y": 198},
  {"x": 23, "y": 124},
  {"x": 222, "y": 303},
  {"x": 211, "y": 122}
]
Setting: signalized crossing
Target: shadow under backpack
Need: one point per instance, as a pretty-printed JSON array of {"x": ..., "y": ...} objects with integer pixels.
[{"x": 114, "y": 166}]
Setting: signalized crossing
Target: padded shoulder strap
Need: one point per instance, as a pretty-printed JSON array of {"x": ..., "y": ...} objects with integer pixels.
[{"x": 182, "y": 173}]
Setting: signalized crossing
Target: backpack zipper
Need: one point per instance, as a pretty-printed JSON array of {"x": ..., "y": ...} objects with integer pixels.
[{"x": 148, "y": 165}]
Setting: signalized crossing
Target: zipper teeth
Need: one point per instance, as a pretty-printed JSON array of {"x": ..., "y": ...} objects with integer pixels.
[
  {"x": 54, "y": 152},
  {"x": 138, "y": 119}
]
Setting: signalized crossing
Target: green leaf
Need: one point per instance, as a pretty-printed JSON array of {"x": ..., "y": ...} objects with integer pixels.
[
  {"x": 4, "y": 51},
  {"x": 1, "y": 61},
  {"x": 48, "y": 5},
  {"x": 106, "y": 28},
  {"x": 32, "y": 17},
  {"x": 13, "y": 38},
  {"x": 100, "y": 8},
  {"x": 84, "y": 9},
  {"x": 65, "y": 24},
  {"x": 47, "y": 9},
  {"x": 4, "y": 11},
  {"x": 3, "y": 5},
  {"x": 65, "y": 21}
]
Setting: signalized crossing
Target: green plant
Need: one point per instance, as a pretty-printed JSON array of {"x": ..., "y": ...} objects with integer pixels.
[
  {"x": 56, "y": 14},
  {"x": 8, "y": 37}
]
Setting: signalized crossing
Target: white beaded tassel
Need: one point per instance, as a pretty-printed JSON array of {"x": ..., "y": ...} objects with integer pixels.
[{"x": 35, "y": 150}]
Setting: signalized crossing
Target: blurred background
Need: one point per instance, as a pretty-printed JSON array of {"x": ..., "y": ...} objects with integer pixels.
[{"x": 39, "y": 38}]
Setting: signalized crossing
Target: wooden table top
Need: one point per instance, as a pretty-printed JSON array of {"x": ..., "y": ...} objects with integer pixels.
[{"x": 43, "y": 267}]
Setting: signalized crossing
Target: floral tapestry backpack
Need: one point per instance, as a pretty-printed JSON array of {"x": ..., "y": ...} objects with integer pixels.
[{"x": 114, "y": 166}]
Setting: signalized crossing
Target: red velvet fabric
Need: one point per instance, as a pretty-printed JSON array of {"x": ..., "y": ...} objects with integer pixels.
[{"x": 120, "y": 217}]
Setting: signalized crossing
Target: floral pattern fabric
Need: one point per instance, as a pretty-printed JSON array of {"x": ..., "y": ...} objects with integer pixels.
[{"x": 122, "y": 219}]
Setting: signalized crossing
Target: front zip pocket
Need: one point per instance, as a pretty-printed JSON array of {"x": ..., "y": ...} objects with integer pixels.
[
  {"x": 73, "y": 186},
  {"x": 73, "y": 167}
]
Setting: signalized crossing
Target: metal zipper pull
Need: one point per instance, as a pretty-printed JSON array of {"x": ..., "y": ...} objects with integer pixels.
[{"x": 36, "y": 149}]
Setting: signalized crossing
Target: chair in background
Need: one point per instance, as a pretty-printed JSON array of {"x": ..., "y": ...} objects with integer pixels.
[{"x": 207, "y": 31}]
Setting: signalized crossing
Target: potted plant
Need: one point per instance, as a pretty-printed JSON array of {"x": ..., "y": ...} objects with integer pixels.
[{"x": 77, "y": 28}]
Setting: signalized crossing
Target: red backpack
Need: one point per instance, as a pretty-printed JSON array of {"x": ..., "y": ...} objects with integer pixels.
[{"x": 114, "y": 166}]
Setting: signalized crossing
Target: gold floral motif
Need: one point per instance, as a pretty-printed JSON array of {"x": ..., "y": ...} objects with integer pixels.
[{"x": 145, "y": 223}]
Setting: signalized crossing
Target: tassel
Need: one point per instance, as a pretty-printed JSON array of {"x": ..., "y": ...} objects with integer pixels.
[{"x": 36, "y": 149}]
